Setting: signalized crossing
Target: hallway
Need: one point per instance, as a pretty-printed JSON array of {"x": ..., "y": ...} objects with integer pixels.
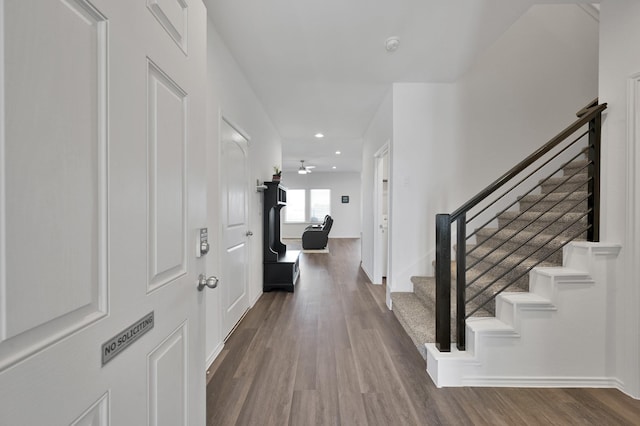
[{"x": 332, "y": 353}]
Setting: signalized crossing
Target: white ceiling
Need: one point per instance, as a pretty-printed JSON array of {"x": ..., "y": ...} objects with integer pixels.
[{"x": 321, "y": 66}]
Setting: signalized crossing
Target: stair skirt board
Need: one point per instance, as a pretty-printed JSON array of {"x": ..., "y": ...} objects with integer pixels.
[{"x": 553, "y": 336}]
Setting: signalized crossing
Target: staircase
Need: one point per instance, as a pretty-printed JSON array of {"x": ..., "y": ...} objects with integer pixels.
[
  {"x": 559, "y": 203},
  {"x": 553, "y": 336},
  {"x": 524, "y": 237}
]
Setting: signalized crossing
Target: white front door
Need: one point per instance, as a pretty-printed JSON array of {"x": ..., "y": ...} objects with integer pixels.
[
  {"x": 101, "y": 175},
  {"x": 235, "y": 252}
]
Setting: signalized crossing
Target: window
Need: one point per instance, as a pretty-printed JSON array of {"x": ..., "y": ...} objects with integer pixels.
[
  {"x": 296, "y": 206},
  {"x": 319, "y": 204},
  {"x": 298, "y": 210}
]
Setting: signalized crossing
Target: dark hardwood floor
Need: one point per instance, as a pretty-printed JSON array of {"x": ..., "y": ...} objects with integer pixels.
[{"x": 332, "y": 354}]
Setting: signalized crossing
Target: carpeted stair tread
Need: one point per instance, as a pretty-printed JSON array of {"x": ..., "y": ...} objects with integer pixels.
[
  {"x": 579, "y": 165},
  {"x": 416, "y": 318},
  {"x": 524, "y": 242},
  {"x": 503, "y": 265},
  {"x": 495, "y": 254},
  {"x": 554, "y": 201},
  {"x": 555, "y": 196},
  {"x": 425, "y": 289},
  {"x": 490, "y": 238},
  {"x": 580, "y": 176},
  {"x": 433, "y": 263},
  {"x": 505, "y": 257},
  {"x": 416, "y": 311},
  {"x": 549, "y": 217},
  {"x": 551, "y": 222},
  {"x": 577, "y": 182}
]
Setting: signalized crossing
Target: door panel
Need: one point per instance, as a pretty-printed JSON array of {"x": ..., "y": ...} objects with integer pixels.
[
  {"x": 167, "y": 178},
  {"x": 235, "y": 173},
  {"x": 96, "y": 415},
  {"x": 236, "y": 267},
  {"x": 172, "y": 15},
  {"x": 168, "y": 380},
  {"x": 102, "y": 179},
  {"x": 49, "y": 169}
]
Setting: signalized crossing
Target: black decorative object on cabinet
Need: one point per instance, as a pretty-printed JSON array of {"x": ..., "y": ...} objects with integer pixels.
[{"x": 281, "y": 267}]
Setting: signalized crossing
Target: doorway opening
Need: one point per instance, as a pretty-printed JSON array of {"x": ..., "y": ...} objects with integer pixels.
[{"x": 381, "y": 215}]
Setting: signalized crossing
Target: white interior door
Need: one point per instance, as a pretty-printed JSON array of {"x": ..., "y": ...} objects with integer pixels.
[
  {"x": 235, "y": 251},
  {"x": 101, "y": 171},
  {"x": 384, "y": 228},
  {"x": 381, "y": 214}
]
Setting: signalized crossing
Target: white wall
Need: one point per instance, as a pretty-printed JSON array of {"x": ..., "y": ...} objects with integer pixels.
[
  {"x": 452, "y": 140},
  {"x": 379, "y": 132},
  {"x": 524, "y": 89},
  {"x": 620, "y": 187},
  {"x": 346, "y": 217},
  {"x": 422, "y": 178},
  {"x": 230, "y": 95}
]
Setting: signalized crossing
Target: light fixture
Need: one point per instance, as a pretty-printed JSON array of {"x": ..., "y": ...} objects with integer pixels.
[
  {"x": 338, "y": 152},
  {"x": 303, "y": 170},
  {"x": 334, "y": 167},
  {"x": 391, "y": 44},
  {"x": 319, "y": 135}
]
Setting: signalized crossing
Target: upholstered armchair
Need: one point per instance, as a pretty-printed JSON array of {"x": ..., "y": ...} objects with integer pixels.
[{"x": 315, "y": 237}]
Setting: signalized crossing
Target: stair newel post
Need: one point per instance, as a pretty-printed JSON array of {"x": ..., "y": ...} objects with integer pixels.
[
  {"x": 461, "y": 281},
  {"x": 443, "y": 282},
  {"x": 593, "y": 202}
]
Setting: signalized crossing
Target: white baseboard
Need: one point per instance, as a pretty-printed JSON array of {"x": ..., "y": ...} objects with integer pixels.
[
  {"x": 255, "y": 299},
  {"x": 214, "y": 355},
  {"x": 622, "y": 388},
  {"x": 542, "y": 382},
  {"x": 366, "y": 272}
]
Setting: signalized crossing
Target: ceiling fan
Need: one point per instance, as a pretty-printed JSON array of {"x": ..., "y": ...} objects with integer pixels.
[{"x": 303, "y": 170}]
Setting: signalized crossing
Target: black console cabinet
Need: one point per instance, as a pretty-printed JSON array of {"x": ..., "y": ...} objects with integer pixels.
[{"x": 281, "y": 267}]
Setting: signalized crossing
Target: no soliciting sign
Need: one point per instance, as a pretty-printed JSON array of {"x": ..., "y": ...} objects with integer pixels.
[{"x": 126, "y": 337}]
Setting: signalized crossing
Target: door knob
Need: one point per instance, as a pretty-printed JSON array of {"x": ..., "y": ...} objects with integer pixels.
[
  {"x": 249, "y": 233},
  {"x": 203, "y": 281}
]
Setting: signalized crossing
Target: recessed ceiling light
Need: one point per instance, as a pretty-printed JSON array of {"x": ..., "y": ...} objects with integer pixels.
[
  {"x": 319, "y": 135},
  {"x": 338, "y": 153},
  {"x": 334, "y": 167}
]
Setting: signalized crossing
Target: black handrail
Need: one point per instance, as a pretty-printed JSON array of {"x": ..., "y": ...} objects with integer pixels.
[
  {"x": 585, "y": 110},
  {"x": 591, "y": 114}
]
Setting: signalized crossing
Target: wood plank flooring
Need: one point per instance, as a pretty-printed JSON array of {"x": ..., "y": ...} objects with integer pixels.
[{"x": 332, "y": 354}]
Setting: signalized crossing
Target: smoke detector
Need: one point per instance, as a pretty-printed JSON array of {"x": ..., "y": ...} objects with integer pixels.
[{"x": 391, "y": 44}]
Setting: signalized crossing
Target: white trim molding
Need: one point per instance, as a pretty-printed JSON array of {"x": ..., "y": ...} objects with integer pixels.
[{"x": 632, "y": 243}]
